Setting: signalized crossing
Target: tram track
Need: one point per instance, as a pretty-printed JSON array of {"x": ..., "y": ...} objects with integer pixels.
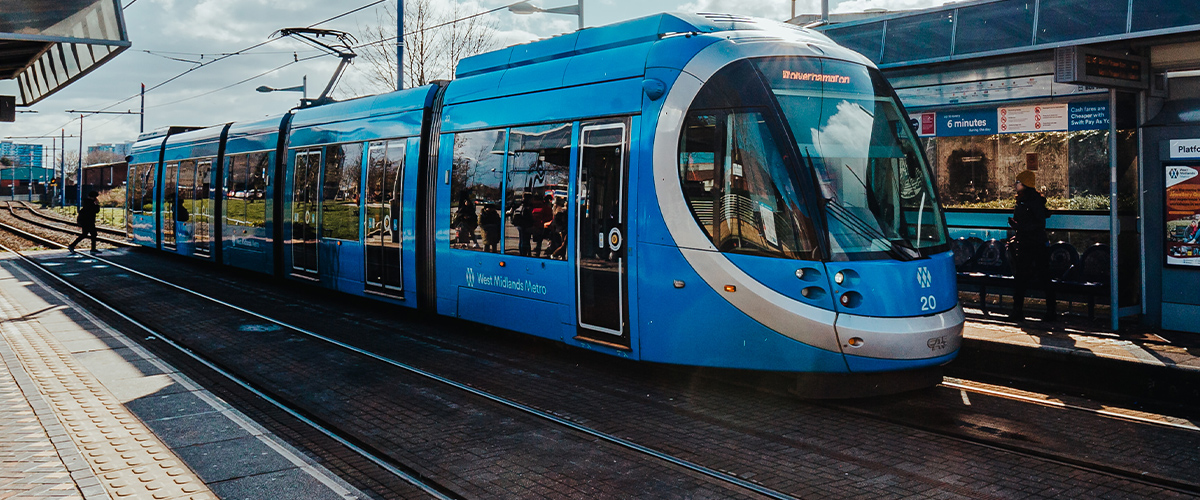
[
  {"x": 1129, "y": 475},
  {"x": 63, "y": 226},
  {"x": 354, "y": 443}
]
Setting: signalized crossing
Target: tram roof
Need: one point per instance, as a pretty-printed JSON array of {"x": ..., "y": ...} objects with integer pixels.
[
  {"x": 46, "y": 45},
  {"x": 987, "y": 28},
  {"x": 614, "y": 52}
]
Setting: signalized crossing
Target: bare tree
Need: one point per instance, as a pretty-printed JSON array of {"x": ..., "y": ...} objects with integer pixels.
[{"x": 433, "y": 46}]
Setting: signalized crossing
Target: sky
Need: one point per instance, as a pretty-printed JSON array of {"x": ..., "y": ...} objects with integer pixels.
[{"x": 171, "y": 36}]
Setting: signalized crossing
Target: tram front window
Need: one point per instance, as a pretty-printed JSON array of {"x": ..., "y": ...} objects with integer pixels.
[{"x": 873, "y": 184}]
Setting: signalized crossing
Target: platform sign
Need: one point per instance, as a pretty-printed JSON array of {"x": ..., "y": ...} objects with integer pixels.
[
  {"x": 982, "y": 122},
  {"x": 1088, "y": 116},
  {"x": 1183, "y": 216}
]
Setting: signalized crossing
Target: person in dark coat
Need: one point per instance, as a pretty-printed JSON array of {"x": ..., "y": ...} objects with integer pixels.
[
  {"x": 1031, "y": 256},
  {"x": 86, "y": 220}
]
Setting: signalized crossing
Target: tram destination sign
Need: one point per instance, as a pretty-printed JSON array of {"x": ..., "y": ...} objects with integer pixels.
[{"x": 1087, "y": 66}]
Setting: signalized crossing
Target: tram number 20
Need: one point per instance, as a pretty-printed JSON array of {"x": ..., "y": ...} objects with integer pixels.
[{"x": 928, "y": 303}]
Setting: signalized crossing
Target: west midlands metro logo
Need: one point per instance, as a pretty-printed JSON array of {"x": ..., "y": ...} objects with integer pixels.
[
  {"x": 1173, "y": 173},
  {"x": 924, "y": 277},
  {"x": 470, "y": 277}
]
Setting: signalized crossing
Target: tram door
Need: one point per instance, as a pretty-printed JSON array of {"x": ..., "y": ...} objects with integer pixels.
[
  {"x": 166, "y": 214},
  {"x": 601, "y": 292},
  {"x": 306, "y": 180},
  {"x": 384, "y": 189}
]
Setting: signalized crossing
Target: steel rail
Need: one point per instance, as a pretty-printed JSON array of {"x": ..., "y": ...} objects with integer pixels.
[
  {"x": 609, "y": 438},
  {"x": 32, "y": 237},
  {"x": 71, "y": 231},
  {"x": 382, "y": 462},
  {"x": 59, "y": 220},
  {"x": 1141, "y": 477},
  {"x": 1000, "y": 393}
]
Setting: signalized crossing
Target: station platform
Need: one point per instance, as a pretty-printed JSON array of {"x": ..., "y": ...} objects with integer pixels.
[{"x": 89, "y": 414}]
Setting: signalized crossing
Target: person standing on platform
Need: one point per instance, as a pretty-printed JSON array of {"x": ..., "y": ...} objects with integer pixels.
[
  {"x": 87, "y": 221},
  {"x": 1031, "y": 256}
]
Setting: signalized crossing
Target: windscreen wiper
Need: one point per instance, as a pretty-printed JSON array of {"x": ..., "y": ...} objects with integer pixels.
[{"x": 862, "y": 227}]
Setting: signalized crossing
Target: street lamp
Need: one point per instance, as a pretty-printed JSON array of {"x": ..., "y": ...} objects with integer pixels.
[
  {"x": 570, "y": 10},
  {"x": 303, "y": 87}
]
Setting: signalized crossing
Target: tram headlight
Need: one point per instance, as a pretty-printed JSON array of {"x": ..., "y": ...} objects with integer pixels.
[
  {"x": 839, "y": 277},
  {"x": 845, "y": 299}
]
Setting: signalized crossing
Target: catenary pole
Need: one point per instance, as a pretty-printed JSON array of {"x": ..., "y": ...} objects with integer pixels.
[{"x": 400, "y": 44}]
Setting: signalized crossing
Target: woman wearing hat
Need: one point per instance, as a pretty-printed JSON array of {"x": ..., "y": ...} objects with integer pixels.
[{"x": 1031, "y": 256}]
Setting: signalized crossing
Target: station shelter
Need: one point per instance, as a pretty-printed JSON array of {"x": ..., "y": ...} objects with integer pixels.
[{"x": 1100, "y": 98}]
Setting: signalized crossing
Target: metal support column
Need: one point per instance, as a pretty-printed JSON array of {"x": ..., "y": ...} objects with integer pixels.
[
  {"x": 399, "y": 44},
  {"x": 1114, "y": 221}
]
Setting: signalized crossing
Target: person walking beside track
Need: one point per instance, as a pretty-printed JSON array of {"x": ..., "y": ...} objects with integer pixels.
[{"x": 87, "y": 221}]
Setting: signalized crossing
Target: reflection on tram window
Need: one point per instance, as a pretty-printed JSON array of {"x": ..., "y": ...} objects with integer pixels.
[
  {"x": 339, "y": 193},
  {"x": 256, "y": 188},
  {"x": 235, "y": 191},
  {"x": 384, "y": 188},
  {"x": 141, "y": 188},
  {"x": 186, "y": 191},
  {"x": 876, "y": 190},
  {"x": 475, "y": 179},
  {"x": 739, "y": 189},
  {"x": 536, "y": 193}
]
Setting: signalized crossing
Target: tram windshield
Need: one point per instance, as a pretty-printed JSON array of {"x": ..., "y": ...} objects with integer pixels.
[{"x": 875, "y": 188}]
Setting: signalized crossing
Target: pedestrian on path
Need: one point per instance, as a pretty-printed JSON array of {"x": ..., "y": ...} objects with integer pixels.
[
  {"x": 1031, "y": 255},
  {"x": 87, "y": 221}
]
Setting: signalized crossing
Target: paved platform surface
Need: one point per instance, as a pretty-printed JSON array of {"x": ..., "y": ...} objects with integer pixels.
[
  {"x": 1081, "y": 338},
  {"x": 88, "y": 414}
]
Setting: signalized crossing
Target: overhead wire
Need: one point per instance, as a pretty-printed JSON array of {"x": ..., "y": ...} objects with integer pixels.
[
  {"x": 207, "y": 63},
  {"x": 289, "y": 63},
  {"x": 447, "y": 23},
  {"x": 226, "y": 55}
]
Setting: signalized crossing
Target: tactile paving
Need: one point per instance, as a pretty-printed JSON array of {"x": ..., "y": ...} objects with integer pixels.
[{"x": 127, "y": 459}]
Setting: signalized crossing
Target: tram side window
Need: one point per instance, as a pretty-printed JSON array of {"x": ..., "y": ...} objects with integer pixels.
[
  {"x": 339, "y": 194},
  {"x": 698, "y": 168},
  {"x": 256, "y": 188},
  {"x": 475, "y": 180},
  {"x": 146, "y": 185},
  {"x": 739, "y": 188},
  {"x": 235, "y": 191},
  {"x": 535, "y": 219},
  {"x": 134, "y": 188},
  {"x": 186, "y": 189}
]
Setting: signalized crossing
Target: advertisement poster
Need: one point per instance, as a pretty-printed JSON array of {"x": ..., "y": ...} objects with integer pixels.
[{"x": 1183, "y": 216}]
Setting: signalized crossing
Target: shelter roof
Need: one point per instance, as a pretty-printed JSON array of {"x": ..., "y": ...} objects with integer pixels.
[{"x": 46, "y": 45}]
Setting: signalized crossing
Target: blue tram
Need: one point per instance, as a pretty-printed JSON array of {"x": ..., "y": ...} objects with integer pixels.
[{"x": 706, "y": 190}]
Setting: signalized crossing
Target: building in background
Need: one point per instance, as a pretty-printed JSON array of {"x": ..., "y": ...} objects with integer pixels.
[
  {"x": 22, "y": 155},
  {"x": 120, "y": 149}
]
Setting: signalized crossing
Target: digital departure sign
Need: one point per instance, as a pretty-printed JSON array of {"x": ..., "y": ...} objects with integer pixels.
[
  {"x": 1087, "y": 66},
  {"x": 1112, "y": 67}
]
